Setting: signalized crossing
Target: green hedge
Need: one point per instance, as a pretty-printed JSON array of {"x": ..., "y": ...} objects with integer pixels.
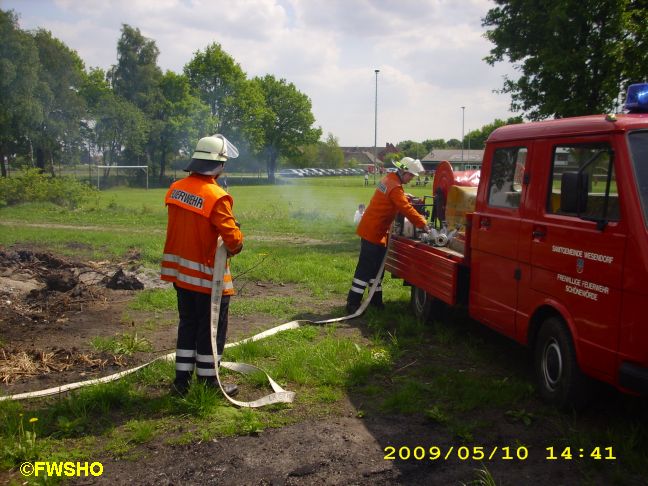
[{"x": 33, "y": 186}]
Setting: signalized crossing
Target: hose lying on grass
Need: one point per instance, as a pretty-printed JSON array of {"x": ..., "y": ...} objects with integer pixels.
[{"x": 278, "y": 396}]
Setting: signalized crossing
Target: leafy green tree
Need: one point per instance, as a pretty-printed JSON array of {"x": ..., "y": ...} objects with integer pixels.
[
  {"x": 412, "y": 149},
  {"x": 236, "y": 103},
  {"x": 94, "y": 87},
  {"x": 288, "y": 124},
  {"x": 136, "y": 76},
  {"x": 94, "y": 90},
  {"x": 476, "y": 139},
  {"x": 60, "y": 78},
  {"x": 19, "y": 107},
  {"x": 574, "y": 56},
  {"x": 182, "y": 118},
  {"x": 330, "y": 153},
  {"x": 437, "y": 143},
  {"x": 246, "y": 110},
  {"x": 327, "y": 154},
  {"x": 306, "y": 156},
  {"x": 121, "y": 130},
  {"x": 391, "y": 157},
  {"x": 353, "y": 162},
  {"x": 453, "y": 143},
  {"x": 113, "y": 126},
  {"x": 636, "y": 43}
]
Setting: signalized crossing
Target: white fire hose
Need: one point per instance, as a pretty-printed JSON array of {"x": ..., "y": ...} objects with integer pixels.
[{"x": 279, "y": 396}]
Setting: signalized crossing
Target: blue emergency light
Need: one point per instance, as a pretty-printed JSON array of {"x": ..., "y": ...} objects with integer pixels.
[{"x": 637, "y": 98}]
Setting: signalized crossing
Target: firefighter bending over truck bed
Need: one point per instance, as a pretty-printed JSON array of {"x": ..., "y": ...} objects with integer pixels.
[
  {"x": 388, "y": 200},
  {"x": 199, "y": 212}
]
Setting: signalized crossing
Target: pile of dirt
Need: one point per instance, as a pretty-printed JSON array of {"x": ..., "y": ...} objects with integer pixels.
[
  {"x": 122, "y": 281},
  {"x": 54, "y": 308},
  {"x": 37, "y": 287}
]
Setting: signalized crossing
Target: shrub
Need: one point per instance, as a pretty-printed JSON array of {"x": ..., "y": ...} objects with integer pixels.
[{"x": 33, "y": 186}]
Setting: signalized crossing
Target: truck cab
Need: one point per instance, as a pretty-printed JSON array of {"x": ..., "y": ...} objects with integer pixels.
[{"x": 556, "y": 251}]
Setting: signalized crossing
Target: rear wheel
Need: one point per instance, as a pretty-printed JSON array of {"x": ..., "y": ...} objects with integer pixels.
[
  {"x": 560, "y": 380},
  {"x": 426, "y": 308}
]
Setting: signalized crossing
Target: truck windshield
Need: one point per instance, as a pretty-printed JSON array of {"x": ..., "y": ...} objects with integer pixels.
[{"x": 639, "y": 149}]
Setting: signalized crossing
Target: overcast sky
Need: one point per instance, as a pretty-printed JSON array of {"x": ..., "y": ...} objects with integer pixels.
[{"x": 429, "y": 53}]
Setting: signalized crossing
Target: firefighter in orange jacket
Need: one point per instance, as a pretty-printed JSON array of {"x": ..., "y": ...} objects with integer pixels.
[
  {"x": 388, "y": 200},
  {"x": 199, "y": 211}
]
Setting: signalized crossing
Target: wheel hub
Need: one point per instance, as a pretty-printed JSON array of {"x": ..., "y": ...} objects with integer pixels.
[
  {"x": 552, "y": 364},
  {"x": 419, "y": 300}
]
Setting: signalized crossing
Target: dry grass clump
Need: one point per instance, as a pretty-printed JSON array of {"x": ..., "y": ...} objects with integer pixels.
[{"x": 14, "y": 365}]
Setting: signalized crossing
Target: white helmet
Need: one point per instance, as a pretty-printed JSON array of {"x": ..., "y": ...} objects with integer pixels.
[
  {"x": 210, "y": 155},
  {"x": 408, "y": 164},
  {"x": 216, "y": 147}
]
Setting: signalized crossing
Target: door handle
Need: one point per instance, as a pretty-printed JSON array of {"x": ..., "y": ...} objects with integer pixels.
[
  {"x": 539, "y": 233},
  {"x": 484, "y": 222}
]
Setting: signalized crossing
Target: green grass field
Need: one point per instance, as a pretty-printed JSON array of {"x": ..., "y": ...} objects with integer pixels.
[{"x": 277, "y": 221}]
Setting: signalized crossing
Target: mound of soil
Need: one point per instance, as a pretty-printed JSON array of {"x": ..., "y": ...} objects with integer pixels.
[
  {"x": 122, "y": 281},
  {"x": 52, "y": 309}
]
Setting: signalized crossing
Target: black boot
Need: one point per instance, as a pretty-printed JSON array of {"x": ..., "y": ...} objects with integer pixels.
[
  {"x": 179, "y": 389},
  {"x": 180, "y": 386},
  {"x": 354, "y": 299},
  {"x": 229, "y": 389},
  {"x": 377, "y": 301},
  {"x": 352, "y": 307}
]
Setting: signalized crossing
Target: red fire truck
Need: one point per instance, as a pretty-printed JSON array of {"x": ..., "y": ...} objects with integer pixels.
[{"x": 549, "y": 247}]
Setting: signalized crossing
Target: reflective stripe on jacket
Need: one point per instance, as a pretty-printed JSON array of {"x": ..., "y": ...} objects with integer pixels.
[
  {"x": 199, "y": 211},
  {"x": 388, "y": 200}
]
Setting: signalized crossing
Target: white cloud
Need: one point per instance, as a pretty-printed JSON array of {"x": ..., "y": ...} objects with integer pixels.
[{"x": 429, "y": 53}]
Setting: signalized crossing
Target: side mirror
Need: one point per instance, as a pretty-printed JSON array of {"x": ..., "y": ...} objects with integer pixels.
[{"x": 573, "y": 192}]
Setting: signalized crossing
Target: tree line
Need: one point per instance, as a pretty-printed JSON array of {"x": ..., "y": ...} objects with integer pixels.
[
  {"x": 55, "y": 110},
  {"x": 575, "y": 57},
  {"x": 474, "y": 139}
]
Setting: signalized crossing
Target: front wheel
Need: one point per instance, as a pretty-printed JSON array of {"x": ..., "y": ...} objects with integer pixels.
[
  {"x": 425, "y": 307},
  {"x": 560, "y": 380}
]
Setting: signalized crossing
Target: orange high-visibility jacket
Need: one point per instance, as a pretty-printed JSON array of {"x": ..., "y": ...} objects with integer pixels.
[
  {"x": 388, "y": 200},
  {"x": 199, "y": 212}
]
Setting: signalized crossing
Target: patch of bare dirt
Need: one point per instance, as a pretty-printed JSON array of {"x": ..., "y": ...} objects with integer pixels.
[
  {"x": 341, "y": 450},
  {"x": 52, "y": 308},
  {"x": 83, "y": 227},
  {"x": 350, "y": 448},
  {"x": 290, "y": 239}
]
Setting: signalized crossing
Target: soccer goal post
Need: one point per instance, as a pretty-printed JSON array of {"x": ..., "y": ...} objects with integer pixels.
[{"x": 141, "y": 167}]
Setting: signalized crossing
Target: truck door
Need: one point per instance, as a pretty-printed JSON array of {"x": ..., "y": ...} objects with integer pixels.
[
  {"x": 495, "y": 271},
  {"x": 577, "y": 250}
]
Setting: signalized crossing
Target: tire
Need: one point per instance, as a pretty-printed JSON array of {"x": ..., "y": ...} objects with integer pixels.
[
  {"x": 426, "y": 308},
  {"x": 560, "y": 380}
]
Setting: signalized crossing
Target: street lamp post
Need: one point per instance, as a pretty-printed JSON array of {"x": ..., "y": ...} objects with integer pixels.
[
  {"x": 375, "y": 127},
  {"x": 463, "y": 111}
]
